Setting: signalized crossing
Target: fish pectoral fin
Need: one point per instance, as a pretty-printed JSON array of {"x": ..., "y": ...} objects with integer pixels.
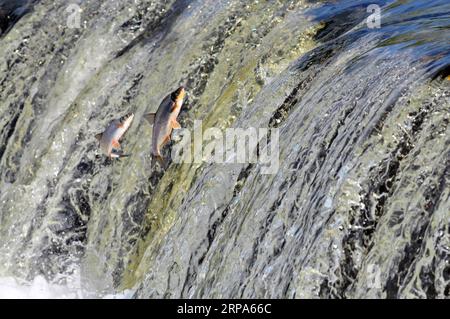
[
  {"x": 150, "y": 117},
  {"x": 116, "y": 144},
  {"x": 176, "y": 125},
  {"x": 99, "y": 136}
]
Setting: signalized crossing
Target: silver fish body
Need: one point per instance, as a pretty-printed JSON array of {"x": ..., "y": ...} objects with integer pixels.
[
  {"x": 165, "y": 120},
  {"x": 161, "y": 127},
  {"x": 109, "y": 139}
]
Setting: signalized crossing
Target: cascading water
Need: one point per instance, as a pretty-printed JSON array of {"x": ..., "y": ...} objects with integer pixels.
[{"x": 360, "y": 204}]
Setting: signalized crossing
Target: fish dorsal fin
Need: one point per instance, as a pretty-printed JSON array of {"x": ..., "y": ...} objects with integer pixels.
[
  {"x": 99, "y": 136},
  {"x": 150, "y": 117}
]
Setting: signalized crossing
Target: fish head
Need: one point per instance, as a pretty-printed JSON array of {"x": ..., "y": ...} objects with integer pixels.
[
  {"x": 178, "y": 95},
  {"x": 126, "y": 120}
]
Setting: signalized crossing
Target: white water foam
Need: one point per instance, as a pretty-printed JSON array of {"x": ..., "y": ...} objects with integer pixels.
[{"x": 39, "y": 288}]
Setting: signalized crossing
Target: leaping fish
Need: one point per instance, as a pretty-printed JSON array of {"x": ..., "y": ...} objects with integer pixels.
[
  {"x": 109, "y": 139},
  {"x": 165, "y": 120}
]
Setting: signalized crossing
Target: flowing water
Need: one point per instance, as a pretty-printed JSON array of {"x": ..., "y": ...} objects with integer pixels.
[{"x": 360, "y": 204}]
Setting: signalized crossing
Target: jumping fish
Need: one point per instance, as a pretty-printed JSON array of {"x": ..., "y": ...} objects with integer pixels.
[
  {"x": 165, "y": 120},
  {"x": 109, "y": 139}
]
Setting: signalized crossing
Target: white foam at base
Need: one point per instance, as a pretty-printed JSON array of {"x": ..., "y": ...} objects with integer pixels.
[{"x": 39, "y": 288}]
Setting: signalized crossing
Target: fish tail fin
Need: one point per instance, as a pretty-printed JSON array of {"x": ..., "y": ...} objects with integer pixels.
[{"x": 159, "y": 159}]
